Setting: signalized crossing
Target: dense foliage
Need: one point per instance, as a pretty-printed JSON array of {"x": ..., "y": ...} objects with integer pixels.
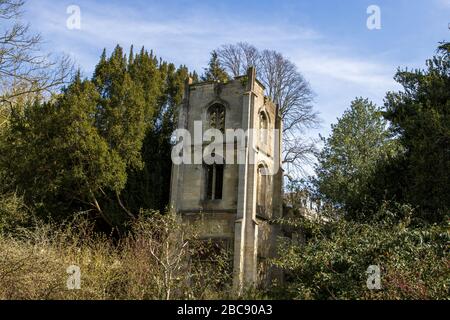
[
  {"x": 334, "y": 260},
  {"x": 382, "y": 189},
  {"x": 101, "y": 145},
  {"x": 358, "y": 143},
  {"x": 420, "y": 116},
  {"x": 365, "y": 163},
  {"x": 215, "y": 71}
]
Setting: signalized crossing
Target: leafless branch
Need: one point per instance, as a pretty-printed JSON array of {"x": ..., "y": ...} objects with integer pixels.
[
  {"x": 237, "y": 58},
  {"x": 287, "y": 88},
  {"x": 25, "y": 72}
]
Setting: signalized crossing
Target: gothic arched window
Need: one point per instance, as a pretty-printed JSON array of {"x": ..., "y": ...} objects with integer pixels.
[
  {"x": 262, "y": 189},
  {"x": 216, "y": 115},
  {"x": 214, "y": 181},
  {"x": 263, "y": 126}
]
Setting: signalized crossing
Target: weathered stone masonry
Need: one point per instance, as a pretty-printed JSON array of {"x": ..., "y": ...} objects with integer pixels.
[{"x": 233, "y": 203}]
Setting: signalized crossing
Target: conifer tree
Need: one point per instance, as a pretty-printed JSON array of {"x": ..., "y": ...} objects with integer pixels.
[
  {"x": 420, "y": 117},
  {"x": 215, "y": 72},
  {"x": 102, "y": 145},
  {"x": 64, "y": 162}
]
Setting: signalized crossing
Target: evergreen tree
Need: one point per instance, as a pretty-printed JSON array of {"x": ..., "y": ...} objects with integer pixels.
[
  {"x": 150, "y": 187},
  {"x": 358, "y": 143},
  {"x": 101, "y": 145},
  {"x": 420, "y": 117},
  {"x": 121, "y": 110},
  {"x": 195, "y": 77},
  {"x": 215, "y": 72},
  {"x": 62, "y": 160}
]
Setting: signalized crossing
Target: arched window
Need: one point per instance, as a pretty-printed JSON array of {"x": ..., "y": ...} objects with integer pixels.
[
  {"x": 216, "y": 114},
  {"x": 262, "y": 189},
  {"x": 214, "y": 181},
  {"x": 263, "y": 126}
]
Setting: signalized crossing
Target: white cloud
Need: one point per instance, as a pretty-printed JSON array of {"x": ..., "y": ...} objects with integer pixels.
[
  {"x": 372, "y": 75},
  {"x": 189, "y": 37},
  {"x": 337, "y": 74},
  {"x": 444, "y": 3}
]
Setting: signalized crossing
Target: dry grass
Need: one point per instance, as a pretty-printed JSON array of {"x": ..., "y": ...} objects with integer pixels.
[{"x": 155, "y": 260}]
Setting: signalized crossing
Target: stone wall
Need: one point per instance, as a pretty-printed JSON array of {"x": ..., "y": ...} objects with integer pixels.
[{"x": 234, "y": 216}]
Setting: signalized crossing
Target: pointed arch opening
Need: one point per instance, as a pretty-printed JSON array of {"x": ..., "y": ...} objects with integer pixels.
[
  {"x": 263, "y": 128},
  {"x": 216, "y": 117},
  {"x": 263, "y": 189},
  {"x": 214, "y": 179}
]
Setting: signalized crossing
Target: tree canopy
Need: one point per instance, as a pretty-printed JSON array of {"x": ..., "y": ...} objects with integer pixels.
[
  {"x": 400, "y": 153},
  {"x": 420, "y": 117},
  {"x": 359, "y": 141},
  {"x": 101, "y": 145},
  {"x": 287, "y": 88}
]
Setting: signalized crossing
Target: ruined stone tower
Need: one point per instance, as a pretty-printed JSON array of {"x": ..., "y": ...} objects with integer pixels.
[{"x": 233, "y": 202}]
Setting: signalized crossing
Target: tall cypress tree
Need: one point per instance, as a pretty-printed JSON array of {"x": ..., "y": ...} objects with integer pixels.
[
  {"x": 63, "y": 163},
  {"x": 103, "y": 145},
  {"x": 420, "y": 117},
  {"x": 215, "y": 72}
]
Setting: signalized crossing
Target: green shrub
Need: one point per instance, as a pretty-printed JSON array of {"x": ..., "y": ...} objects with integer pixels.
[
  {"x": 333, "y": 263},
  {"x": 13, "y": 213}
]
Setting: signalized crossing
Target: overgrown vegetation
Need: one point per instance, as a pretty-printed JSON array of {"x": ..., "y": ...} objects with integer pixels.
[
  {"x": 101, "y": 145},
  {"x": 83, "y": 167},
  {"x": 157, "y": 259},
  {"x": 382, "y": 188},
  {"x": 333, "y": 261}
]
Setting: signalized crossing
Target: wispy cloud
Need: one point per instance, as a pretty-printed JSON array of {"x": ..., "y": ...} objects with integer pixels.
[
  {"x": 190, "y": 36},
  {"x": 337, "y": 72},
  {"x": 373, "y": 75},
  {"x": 444, "y": 3}
]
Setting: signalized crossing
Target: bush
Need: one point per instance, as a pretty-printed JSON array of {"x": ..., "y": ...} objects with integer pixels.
[
  {"x": 154, "y": 261},
  {"x": 334, "y": 261},
  {"x": 13, "y": 213}
]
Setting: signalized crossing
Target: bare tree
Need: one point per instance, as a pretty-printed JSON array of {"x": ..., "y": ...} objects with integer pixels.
[
  {"x": 237, "y": 58},
  {"x": 287, "y": 88},
  {"x": 24, "y": 70}
]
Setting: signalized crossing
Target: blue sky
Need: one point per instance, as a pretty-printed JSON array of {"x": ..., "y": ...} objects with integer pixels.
[{"x": 328, "y": 40}]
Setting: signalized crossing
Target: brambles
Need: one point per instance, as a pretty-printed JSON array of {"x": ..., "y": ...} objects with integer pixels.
[
  {"x": 154, "y": 261},
  {"x": 333, "y": 262}
]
